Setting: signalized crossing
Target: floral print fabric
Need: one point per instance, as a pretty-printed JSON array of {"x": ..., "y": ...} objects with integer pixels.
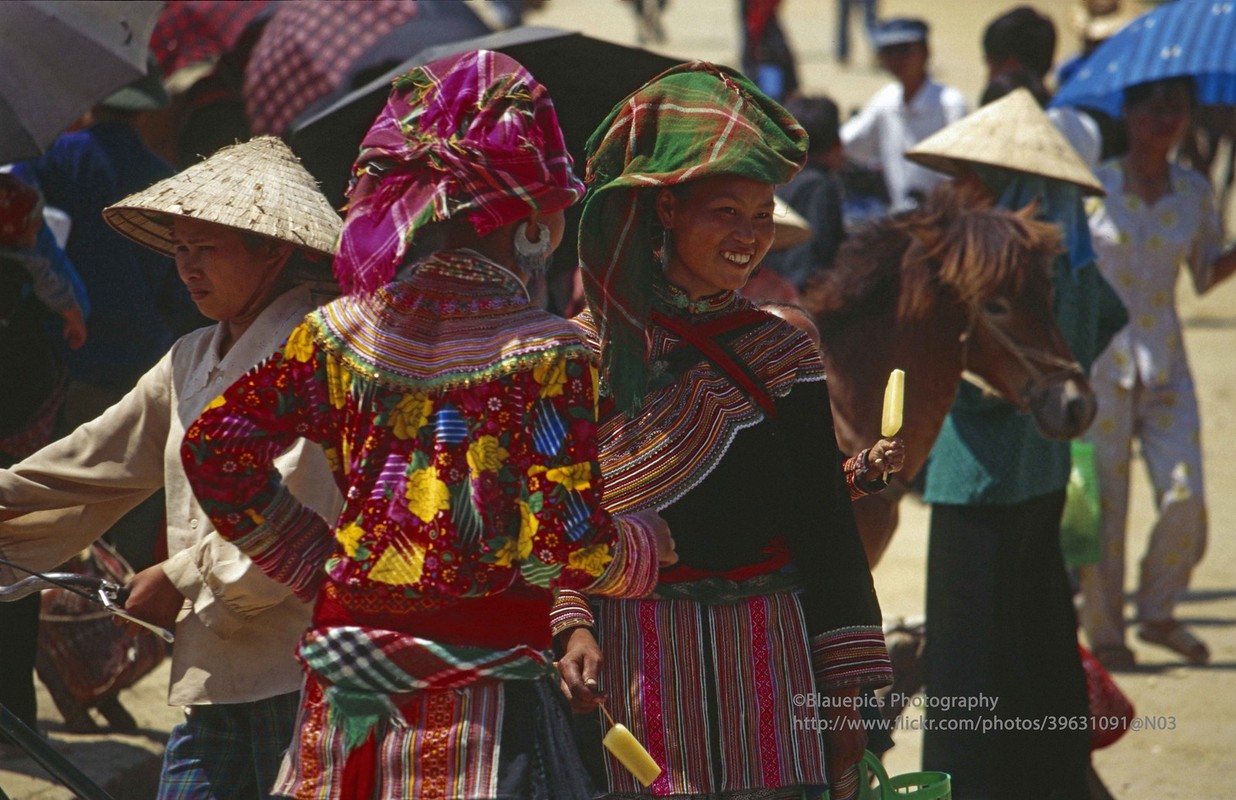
[{"x": 460, "y": 491}]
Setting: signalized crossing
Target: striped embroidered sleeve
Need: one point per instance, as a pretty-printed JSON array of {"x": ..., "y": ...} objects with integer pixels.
[
  {"x": 848, "y": 657},
  {"x": 228, "y": 456},
  {"x": 633, "y": 572}
]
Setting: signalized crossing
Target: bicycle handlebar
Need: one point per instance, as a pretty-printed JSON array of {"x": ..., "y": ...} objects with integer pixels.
[
  {"x": 87, "y": 584},
  {"x": 110, "y": 595}
]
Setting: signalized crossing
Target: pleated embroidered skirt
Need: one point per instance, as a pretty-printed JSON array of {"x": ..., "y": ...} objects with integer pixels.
[{"x": 716, "y": 693}]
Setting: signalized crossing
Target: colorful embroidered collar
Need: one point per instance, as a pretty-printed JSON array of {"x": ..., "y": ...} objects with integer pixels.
[{"x": 448, "y": 323}]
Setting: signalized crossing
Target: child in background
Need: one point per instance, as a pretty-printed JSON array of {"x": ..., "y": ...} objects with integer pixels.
[{"x": 21, "y": 216}]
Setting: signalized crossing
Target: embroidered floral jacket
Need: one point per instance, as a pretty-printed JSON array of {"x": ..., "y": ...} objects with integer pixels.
[{"x": 459, "y": 421}]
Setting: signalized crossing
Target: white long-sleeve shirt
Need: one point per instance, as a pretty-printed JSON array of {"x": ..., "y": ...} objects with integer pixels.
[
  {"x": 237, "y": 634},
  {"x": 880, "y": 134}
]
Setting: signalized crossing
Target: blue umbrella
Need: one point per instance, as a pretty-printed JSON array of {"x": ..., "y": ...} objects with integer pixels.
[{"x": 1186, "y": 37}]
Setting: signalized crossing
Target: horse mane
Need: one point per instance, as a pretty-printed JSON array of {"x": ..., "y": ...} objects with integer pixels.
[{"x": 955, "y": 241}]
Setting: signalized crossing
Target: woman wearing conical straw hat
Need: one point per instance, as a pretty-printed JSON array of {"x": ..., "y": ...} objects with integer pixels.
[
  {"x": 999, "y": 602},
  {"x": 240, "y": 225},
  {"x": 461, "y": 420}
]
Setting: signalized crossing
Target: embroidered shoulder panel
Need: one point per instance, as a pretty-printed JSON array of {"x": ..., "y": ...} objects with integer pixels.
[
  {"x": 684, "y": 429},
  {"x": 454, "y": 322}
]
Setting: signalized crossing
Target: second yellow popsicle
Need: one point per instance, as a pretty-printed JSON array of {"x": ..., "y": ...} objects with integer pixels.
[
  {"x": 894, "y": 398},
  {"x": 627, "y": 749}
]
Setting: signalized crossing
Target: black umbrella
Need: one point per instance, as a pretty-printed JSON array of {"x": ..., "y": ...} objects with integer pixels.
[{"x": 585, "y": 77}]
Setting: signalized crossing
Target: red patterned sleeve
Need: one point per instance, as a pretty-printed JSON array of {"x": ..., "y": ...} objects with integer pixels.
[
  {"x": 596, "y": 553},
  {"x": 229, "y": 452},
  {"x": 860, "y": 483}
]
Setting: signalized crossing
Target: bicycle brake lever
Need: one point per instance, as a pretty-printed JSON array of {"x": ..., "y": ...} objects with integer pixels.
[
  {"x": 119, "y": 594},
  {"x": 109, "y": 593}
]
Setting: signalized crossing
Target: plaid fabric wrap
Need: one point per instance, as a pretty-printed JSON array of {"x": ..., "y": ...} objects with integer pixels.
[
  {"x": 470, "y": 134},
  {"x": 694, "y": 121},
  {"x": 363, "y": 670}
]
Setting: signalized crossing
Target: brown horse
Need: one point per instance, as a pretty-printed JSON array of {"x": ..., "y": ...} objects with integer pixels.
[{"x": 954, "y": 286}]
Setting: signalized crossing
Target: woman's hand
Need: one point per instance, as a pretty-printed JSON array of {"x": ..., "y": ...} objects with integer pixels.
[
  {"x": 74, "y": 328},
  {"x": 665, "y": 540},
  {"x": 579, "y": 670},
  {"x": 845, "y": 740},
  {"x": 154, "y": 598},
  {"x": 887, "y": 456}
]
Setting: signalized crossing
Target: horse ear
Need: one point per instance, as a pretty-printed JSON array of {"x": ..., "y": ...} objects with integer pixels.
[
  {"x": 1028, "y": 213},
  {"x": 1046, "y": 233}
]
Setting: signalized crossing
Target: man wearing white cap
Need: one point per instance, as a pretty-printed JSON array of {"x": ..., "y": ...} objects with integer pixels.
[{"x": 903, "y": 113}]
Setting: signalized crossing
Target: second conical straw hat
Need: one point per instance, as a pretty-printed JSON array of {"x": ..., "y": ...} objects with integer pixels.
[
  {"x": 258, "y": 186},
  {"x": 1014, "y": 133},
  {"x": 790, "y": 229}
]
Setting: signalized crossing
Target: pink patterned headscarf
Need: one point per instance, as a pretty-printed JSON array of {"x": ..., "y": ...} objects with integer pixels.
[{"x": 470, "y": 134}]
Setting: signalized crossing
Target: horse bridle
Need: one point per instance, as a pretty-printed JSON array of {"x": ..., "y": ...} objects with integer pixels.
[{"x": 1030, "y": 358}]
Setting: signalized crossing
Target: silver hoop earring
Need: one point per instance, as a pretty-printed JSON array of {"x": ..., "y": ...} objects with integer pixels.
[
  {"x": 665, "y": 249},
  {"x": 532, "y": 257}
]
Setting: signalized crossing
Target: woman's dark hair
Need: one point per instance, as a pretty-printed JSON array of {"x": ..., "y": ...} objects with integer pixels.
[
  {"x": 820, "y": 118},
  {"x": 1023, "y": 34},
  {"x": 1140, "y": 93},
  {"x": 1007, "y": 82},
  {"x": 302, "y": 266},
  {"x": 256, "y": 242}
]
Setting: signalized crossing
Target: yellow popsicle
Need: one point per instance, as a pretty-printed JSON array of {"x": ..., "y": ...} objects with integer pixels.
[
  {"x": 627, "y": 749},
  {"x": 894, "y": 397}
]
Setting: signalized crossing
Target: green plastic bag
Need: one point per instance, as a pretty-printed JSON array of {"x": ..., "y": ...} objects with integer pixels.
[
  {"x": 908, "y": 785},
  {"x": 1081, "y": 529}
]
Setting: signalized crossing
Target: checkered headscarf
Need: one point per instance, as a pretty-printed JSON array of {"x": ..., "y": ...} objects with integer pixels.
[
  {"x": 470, "y": 134},
  {"x": 693, "y": 121}
]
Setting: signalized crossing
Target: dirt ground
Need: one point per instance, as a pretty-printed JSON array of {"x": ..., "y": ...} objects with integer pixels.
[{"x": 1192, "y": 760}]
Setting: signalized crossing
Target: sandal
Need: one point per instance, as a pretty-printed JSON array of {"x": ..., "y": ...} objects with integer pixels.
[
  {"x": 1171, "y": 634},
  {"x": 1115, "y": 657}
]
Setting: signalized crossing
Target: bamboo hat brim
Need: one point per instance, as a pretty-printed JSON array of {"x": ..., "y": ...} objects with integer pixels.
[
  {"x": 257, "y": 186},
  {"x": 1013, "y": 133},
  {"x": 789, "y": 227}
]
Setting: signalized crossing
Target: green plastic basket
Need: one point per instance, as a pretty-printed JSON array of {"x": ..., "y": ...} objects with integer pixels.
[{"x": 916, "y": 785}]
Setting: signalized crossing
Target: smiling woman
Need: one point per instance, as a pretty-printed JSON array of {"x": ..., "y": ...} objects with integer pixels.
[
  {"x": 718, "y": 229},
  {"x": 717, "y": 415}
]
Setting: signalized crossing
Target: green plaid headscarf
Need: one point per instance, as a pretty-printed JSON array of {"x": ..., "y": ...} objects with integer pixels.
[{"x": 694, "y": 121}]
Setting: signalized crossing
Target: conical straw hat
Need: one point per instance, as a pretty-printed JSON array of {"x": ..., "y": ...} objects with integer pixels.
[
  {"x": 789, "y": 227},
  {"x": 1014, "y": 133},
  {"x": 257, "y": 186}
]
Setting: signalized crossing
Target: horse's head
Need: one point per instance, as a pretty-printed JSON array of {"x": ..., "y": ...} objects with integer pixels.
[{"x": 998, "y": 265}]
